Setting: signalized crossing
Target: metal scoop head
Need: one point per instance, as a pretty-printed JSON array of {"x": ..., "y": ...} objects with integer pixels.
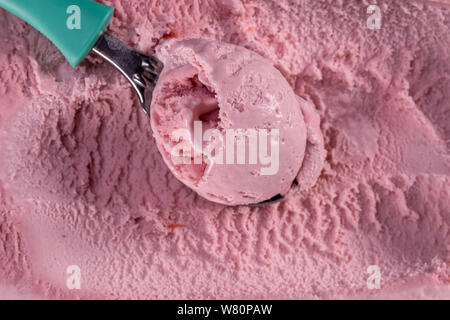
[{"x": 141, "y": 71}]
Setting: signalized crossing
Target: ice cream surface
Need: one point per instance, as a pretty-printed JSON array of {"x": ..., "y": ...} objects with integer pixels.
[
  {"x": 85, "y": 193},
  {"x": 231, "y": 90}
]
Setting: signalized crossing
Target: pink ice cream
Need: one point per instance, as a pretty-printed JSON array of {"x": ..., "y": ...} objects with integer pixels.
[
  {"x": 228, "y": 87},
  {"x": 83, "y": 183}
]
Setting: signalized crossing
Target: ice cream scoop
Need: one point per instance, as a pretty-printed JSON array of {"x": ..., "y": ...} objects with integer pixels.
[
  {"x": 77, "y": 27},
  {"x": 227, "y": 88},
  {"x": 229, "y": 125}
]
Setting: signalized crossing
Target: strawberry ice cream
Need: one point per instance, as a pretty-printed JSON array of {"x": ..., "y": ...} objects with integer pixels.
[
  {"x": 229, "y": 88},
  {"x": 90, "y": 207}
]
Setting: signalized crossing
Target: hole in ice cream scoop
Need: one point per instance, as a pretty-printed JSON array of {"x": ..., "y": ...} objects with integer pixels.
[
  {"x": 206, "y": 111},
  {"x": 210, "y": 115}
]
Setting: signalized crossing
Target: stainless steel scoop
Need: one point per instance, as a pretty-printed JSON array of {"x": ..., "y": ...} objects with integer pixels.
[
  {"x": 140, "y": 70},
  {"x": 77, "y": 27},
  {"x": 276, "y": 198}
]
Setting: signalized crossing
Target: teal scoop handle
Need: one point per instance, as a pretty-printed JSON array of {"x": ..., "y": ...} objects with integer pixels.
[{"x": 74, "y": 26}]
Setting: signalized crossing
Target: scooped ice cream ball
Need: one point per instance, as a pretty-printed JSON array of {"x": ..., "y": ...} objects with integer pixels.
[{"x": 229, "y": 126}]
